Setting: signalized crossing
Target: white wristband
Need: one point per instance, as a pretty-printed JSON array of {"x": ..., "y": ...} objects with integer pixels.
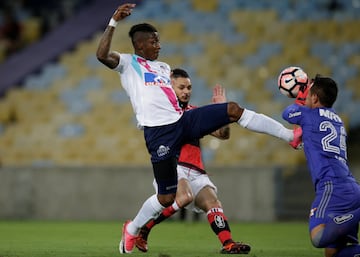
[{"x": 113, "y": 22}]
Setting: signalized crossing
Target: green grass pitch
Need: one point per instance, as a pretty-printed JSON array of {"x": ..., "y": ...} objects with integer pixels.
[{"x": 169, "y": 239}]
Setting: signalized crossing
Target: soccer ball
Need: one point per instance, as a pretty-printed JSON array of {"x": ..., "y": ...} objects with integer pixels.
[{"x": 291, "y": 80}]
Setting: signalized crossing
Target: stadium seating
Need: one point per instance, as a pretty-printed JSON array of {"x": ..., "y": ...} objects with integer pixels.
[{"x": 74, "y": 112}]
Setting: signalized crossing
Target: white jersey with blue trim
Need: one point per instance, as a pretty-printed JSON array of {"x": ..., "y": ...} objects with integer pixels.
[{"x": 148, "y": 85}]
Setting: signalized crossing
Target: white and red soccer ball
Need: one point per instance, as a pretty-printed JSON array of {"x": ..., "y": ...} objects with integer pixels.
[{"x": 291, "y": 80}]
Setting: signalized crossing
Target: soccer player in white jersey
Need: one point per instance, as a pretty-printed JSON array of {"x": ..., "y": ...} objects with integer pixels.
[
  {"x": 195, "y": 189},
  {"x": 166, "y": 126},
  {"x": 335, "y": 212}
]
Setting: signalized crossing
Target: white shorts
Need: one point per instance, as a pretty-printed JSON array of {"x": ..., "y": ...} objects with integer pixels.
[{"x": 197, "y": 181}]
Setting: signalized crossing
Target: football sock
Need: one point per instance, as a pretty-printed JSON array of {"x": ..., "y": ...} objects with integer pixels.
[
  {"x": 150, "y": 224},
  {"x": 349, "y": 251},
  {"x": 166, "y": 213},
  {"x": 219, "y": 224},
  {"x": 149, "y": 210},
  {"x": 340, "y": 226},
  {"x": 263, "y": 124}
]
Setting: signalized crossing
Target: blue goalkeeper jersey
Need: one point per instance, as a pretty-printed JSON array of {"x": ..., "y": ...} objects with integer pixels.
[{"x": 324, "y": 139}]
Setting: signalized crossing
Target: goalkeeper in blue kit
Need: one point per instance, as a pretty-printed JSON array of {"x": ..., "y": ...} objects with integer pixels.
[{"x": 335, "y": 211}]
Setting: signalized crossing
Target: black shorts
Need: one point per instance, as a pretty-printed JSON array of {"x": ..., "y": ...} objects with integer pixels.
[{"x": 165, "y": 174}]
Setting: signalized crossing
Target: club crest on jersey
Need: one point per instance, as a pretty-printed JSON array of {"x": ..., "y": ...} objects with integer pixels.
[
  {"x": 343, "y": 218},
  {"x": 152, "y": 79}
]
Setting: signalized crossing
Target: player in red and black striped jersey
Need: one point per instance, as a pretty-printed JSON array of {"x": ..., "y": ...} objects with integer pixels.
[{"x": 195, "y": 190}]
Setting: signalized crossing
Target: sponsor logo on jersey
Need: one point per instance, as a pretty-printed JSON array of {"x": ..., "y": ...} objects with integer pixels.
[
  {"x": 294, "y": 114},
  {"x": 162, "y": 150},
  {"x": 152, "y": 79},
  {"x": 343, "y": 218}
]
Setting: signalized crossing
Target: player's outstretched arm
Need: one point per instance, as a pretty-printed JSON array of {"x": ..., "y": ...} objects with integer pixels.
[
  {"x": 103, "y": 53},
  {"x": 219, "y": 96}
]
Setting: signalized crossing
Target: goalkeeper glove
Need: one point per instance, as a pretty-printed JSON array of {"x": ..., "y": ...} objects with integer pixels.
[
  {"x": 303, "y": 92},
  {"x": 297, "y": 143}
]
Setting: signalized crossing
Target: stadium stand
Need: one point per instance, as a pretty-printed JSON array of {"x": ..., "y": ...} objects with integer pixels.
[{"x": 62, "y": 107}]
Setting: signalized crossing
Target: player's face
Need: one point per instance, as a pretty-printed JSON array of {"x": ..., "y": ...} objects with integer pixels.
[
  {"x": 151, "y": 47},
  {"x": 183, "y": 88}
]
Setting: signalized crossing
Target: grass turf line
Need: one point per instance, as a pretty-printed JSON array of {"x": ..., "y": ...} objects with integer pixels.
[{"x": 169, "y": 239}]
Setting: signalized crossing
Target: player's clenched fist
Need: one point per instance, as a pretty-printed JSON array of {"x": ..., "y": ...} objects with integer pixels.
[{"x": 123, "y": 11}]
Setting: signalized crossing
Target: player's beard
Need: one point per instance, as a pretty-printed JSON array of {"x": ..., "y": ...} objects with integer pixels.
[{"x": 183, "y": 105}]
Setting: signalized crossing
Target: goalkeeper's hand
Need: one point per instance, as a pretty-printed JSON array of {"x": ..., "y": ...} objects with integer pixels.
[
  {"x": 297, "y": 142},
  {"x": 303, "y": 92}
]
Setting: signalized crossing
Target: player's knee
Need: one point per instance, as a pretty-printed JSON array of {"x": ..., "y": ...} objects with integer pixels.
[
  {"x": 316, "y": 241},
  {"x": 234, "y": 111},
  {"x": 318, "y": 238},
  {"x": 217, "y": 204},
  {"x": 166, "y": 200},
  {"x": 184, "y": 199},
  {"x": 189, "y": 198}
]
